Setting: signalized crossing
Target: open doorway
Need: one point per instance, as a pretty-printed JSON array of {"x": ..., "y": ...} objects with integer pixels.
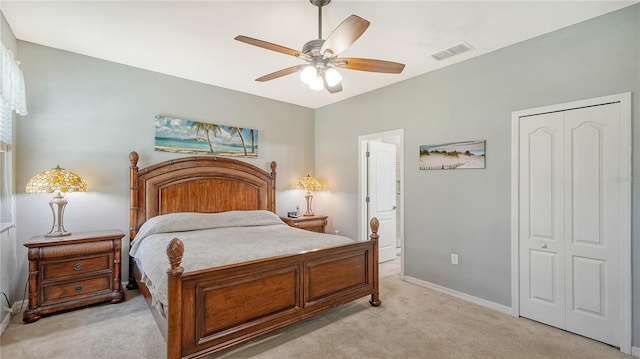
[{"x": 373, "y": 193}]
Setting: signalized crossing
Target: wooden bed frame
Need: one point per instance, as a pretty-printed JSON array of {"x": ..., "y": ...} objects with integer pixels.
[{"x": 213, "y": 309}]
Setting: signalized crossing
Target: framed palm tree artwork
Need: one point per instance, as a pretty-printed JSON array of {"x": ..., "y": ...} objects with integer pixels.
[{"x": 189, "y": 136}]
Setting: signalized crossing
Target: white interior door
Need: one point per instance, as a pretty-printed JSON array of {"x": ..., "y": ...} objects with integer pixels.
[
  {"x": 592, "y": 215},
  {"x": 381, "y": 192},
  {"x": 569, "y": 223},
  {"x": 541, "y": 219}
]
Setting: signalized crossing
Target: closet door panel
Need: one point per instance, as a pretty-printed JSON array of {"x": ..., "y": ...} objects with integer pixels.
[
  {"x": 541, "y": 211},
  {"x": 592, "y": 214}
]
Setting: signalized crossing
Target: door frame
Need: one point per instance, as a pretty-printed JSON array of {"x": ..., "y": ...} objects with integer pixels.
[
  {"x": 363, "y": 224},
  {"x": 625, "y": 195}
]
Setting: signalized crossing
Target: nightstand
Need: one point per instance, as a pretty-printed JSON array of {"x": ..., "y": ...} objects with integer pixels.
[
  {"x": 73, "y": 271},
  {"x": 309, "y": 223}
]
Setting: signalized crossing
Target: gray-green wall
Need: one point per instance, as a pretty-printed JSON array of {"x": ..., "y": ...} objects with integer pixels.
[
  {"x": 87, "y": 114},
  {"x": 468, "y": 211}
]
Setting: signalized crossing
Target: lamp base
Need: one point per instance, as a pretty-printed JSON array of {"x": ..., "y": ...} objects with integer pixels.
[
  {"x": 309, "y": 198},
  {"x": 57, "y": 229}
]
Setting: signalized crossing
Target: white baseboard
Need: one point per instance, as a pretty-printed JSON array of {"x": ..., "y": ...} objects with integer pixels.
[
  {"x": 635, "y": 351},
  {"x": 21, "y": 304},
  {"x": 454, "y": 293},
  {"x": 7, "y": 318},
  {"x": 5, "y": 323}
]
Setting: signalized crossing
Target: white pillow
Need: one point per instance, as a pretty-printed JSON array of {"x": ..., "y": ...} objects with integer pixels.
[{"x": 191, "y": 221}]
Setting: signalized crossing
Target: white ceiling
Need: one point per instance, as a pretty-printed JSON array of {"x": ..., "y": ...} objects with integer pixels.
[{"x": 194, "y": 39}]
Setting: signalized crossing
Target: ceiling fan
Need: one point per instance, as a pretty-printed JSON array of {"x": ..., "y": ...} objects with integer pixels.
[{"x": 321, "y": 55}]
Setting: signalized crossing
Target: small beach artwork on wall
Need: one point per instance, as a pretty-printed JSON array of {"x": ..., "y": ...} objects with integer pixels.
[
  {"x": 189, "y": 136},
  {"x": 455, "y": 155}
]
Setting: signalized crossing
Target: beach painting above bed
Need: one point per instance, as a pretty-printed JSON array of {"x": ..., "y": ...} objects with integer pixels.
[
  {"x": 189, "y": 136},
  {"x": 455, "y": 155}
]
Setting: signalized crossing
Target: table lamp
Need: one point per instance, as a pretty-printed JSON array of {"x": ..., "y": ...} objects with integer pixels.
[
  {"x": 57, "y": 181},
  {"x": 308, "y": 184}
]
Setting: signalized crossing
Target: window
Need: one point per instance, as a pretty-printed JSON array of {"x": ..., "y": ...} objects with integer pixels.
[{"x": 12, "y": 98}]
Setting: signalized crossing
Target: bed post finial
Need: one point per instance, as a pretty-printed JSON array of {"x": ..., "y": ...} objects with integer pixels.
[
  {"x": 375, "y": 296},
  {"x": 374, "y": 223},
  {"x": 175, "y": 251},
  {"x": 133, "y": 158}
]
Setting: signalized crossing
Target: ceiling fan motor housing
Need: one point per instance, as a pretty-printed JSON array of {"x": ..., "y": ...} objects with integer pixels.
[
  {"x": 319, "y": 3},
  {"x": 317, "y": 60},
  {"x": 312, "y": 48}
]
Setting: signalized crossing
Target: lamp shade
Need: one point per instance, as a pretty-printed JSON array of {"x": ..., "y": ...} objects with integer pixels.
[
  {"x": 308, "y": 183},
  {"x": 57, "y": 179}
]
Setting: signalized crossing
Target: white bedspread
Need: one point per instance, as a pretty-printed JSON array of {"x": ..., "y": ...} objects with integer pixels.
[{"x": 212, "y": 240}]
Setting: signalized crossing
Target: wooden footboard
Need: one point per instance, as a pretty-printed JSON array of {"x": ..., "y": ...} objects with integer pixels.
[{"x": 212, "y": 309}]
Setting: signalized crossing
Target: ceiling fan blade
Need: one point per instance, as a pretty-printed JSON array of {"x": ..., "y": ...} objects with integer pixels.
[
  {"x": 344, "y": 36},
  {"x": 334, "y": 89},
  {"x": 270, "y": 46},
  {"x": 370, "y": 65},
  {"x": 283, "y": 72}
]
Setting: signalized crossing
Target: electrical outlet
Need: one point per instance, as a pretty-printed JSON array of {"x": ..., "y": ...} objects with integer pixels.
[
  {"x": 454, "y": 259},
  {"x": 9, "y": 310}
]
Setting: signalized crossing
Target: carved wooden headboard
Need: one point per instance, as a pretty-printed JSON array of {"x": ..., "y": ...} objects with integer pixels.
[{"x": 198, "y": 184}]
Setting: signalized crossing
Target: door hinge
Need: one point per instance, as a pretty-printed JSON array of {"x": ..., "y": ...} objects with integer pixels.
[
  {"x": 368, "y": 154},
  {"x": 367, "y": 199}
]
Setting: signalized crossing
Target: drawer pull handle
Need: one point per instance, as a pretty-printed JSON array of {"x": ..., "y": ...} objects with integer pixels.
[
  {"x": 78, "y": 288},
  {"x": 77, "y": 266}
]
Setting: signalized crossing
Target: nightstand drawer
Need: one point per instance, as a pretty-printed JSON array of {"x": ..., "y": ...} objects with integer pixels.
[
  {"x": 76, "y": 288},
  {"x": 312, "y": 223},
  {"x": 319, "y": 229},
  {"x": 74, "y": 267},
  {"x": 309, "y": 223}
]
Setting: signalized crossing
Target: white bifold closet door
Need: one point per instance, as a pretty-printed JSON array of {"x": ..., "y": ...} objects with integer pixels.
[{"x": 569, "y": 220}]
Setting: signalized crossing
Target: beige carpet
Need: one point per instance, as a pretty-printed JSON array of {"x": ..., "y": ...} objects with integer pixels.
[{"x": 413, "y": 322}]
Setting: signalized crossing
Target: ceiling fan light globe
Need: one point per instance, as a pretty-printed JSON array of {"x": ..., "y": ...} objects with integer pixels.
[
  {"x": 333, "y": 77},
  {"x": 317, "y": 84},
  {"x": 308, "y": 75}
]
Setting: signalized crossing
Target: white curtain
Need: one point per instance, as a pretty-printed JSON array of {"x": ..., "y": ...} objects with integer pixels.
[
  {"x": 12, "y": 98},
  {"x": 12, "y": 82}
]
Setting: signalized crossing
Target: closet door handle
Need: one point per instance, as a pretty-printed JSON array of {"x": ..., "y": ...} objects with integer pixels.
[{"x": 543, "y": 245}]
